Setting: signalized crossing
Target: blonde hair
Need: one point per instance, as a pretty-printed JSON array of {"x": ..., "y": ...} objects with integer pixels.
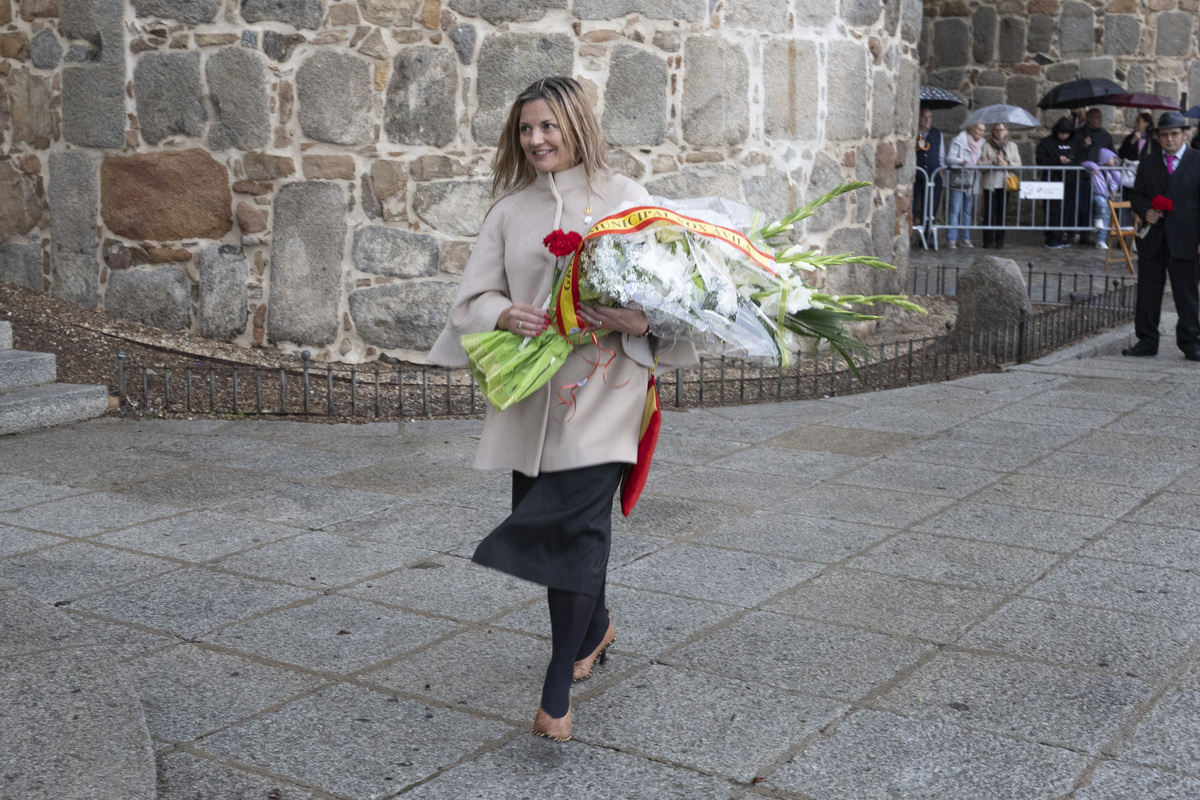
[{"x": 511, "y": 170}]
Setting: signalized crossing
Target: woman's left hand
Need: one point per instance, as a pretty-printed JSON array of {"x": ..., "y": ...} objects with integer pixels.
[{"x": 624, "y": 320}]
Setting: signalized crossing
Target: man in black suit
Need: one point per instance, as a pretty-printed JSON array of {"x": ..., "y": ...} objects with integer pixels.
[{"x": 1170, "y": 248}]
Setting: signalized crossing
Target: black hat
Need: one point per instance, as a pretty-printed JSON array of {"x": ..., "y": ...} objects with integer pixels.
[{"x": 1172, "y": 119}]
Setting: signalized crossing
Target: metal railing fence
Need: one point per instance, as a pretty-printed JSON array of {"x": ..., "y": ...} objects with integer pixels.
[
  {"x": 1071, "y": 214},
  {"x": 402, "y": 390},
  {"x": 1051, "y": 288}
]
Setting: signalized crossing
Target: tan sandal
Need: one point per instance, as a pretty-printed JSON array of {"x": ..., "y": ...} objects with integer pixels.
[
  {"x": 583, "y": 667},
  {"x": 548, "y": 727}
]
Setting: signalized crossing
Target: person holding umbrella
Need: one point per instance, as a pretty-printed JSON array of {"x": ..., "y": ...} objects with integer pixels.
[
  {"x": 998, "y": 151},
  {"x": 1166, "y": 194}
]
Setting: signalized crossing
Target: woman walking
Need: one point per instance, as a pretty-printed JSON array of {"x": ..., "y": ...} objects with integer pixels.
[
  {"x": 965, "y": 149},
  {"x": 998, "y": 151},
  {"x": 567, "y": 456}
]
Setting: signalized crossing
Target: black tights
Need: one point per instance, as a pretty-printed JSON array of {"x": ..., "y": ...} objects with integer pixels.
[{"x": 577, "y": 625}]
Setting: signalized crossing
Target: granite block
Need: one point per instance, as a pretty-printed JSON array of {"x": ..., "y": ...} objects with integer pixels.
[
  {"x": 1021, "y": 527},
  {"x": 74, "y": 569},
  {"x": 1158, "y": 545},
  {"x": 88, "y": 514},
  {"x": 1085, "y": 498},
  {"x": 734, "y": 487},
  {"x": 197, "y": 536},
  {"x": 1168, "y": 508},
  {"x": 303, "y": 463},
  {"x": 17, "y": 492},
  {"x": 355, "y": 742},
  {"x": 189, "y": 691},
  {"x": 1134, "y": 645},
  {"x": 887, "y": 604},
  {"x": 14, "y": 541},
  {"x": 1016, "y": 434},
  {"x": 905, "y": 476},
  {"x": 1169, "y": 735},
  {"x": 319, "y": 560},
  {"x": 307, "y": 505},
  {"x": 203, "y": 486},
  {"x": 976, "y": 565},
  {"x": 450, "y": 587},
  {"x": 710, "y": 573},
  {"x": 868, "y": 506},
  {"x": 333, "y": 634},
  {"x": 530, "y": 767},
  {"x": 673, "y": 518},
  {"x": 802, "y": 656},
  {"x": 801, "y": 466},
  {"x": 791, "y": 535},
  {"x": 1069, "y": 708},
  {"x": 875, "y": 754},
  {"x": 847, "y": 441},
  {"x": 1114, "y": 780},
  {"x": 1115, "y": 585},
  {"x": 707, "y": 722},
  {"x": 449, "y": 673},
  {"x": 1120, "y": 445},
  {"x": 191, "y": 602},
  {"x": 977, "y": 455},
  {"x": 184, "y": 776},
  {"x": 425, "y": 525}
]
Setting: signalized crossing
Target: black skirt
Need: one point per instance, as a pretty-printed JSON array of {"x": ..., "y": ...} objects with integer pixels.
[{"x": 560, "y": 529}]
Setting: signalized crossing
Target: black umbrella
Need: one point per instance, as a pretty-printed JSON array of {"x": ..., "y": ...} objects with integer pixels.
[
  {"x": 936, "y": 97},
  {"x": 1080, "y": 93}
]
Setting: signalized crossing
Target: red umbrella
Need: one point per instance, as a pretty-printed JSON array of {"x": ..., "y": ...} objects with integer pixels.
[{"x": 1140, "y": 100}]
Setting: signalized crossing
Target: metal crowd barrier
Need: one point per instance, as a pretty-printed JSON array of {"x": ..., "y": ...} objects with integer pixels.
[{"x": 1062, "y": 204}]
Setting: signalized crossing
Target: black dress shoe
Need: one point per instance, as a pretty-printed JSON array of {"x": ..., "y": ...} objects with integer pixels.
[
  {"x": 1192, "y": 355},
  {"x": 1140, "y": 349}
]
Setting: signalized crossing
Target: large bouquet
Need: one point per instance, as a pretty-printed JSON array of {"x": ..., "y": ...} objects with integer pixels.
[{"x": 707, "y": 270}]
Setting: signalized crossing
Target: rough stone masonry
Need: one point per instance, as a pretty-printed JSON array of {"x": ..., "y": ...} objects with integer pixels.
[{"x": 311, "y": 174}]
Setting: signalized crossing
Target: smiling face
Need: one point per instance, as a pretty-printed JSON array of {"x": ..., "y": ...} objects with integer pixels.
[
  {"x": 977, "y": 131},
  {"x": 542, "y": 138}
]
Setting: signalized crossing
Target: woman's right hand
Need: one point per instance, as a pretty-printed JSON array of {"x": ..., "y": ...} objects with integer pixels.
[{"x": 523, "y": 320}]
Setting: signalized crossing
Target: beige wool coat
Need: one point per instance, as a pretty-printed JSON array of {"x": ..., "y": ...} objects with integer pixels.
[{"x": 510, "y": 263}]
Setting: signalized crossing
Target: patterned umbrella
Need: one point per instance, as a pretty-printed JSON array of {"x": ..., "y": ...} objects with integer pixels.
[
  {"x": 1140, "y": 100},
  {"x": 934, "y": 97}
]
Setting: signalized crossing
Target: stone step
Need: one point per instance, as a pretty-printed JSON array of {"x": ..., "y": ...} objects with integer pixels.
[
  {"x": 70, "y": 726},
  {"x": 50, "y": 404},
  {"x": 19, "y": 369},
  {"x": 5, "y": 336}
]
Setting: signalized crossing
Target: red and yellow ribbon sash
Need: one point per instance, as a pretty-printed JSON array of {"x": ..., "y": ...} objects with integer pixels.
[{"x": 566, "y": 317}]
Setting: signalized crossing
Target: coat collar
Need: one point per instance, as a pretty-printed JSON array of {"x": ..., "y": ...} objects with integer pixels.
[{"x": 565, "y": 180}]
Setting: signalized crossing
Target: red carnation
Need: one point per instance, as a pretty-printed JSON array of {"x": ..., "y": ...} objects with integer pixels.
[
  {"x": 563, "y": 243},
  {"x": 1160, "y": 203}
]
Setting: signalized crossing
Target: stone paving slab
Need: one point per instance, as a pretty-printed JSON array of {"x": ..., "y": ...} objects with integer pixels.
[
  {"x": 1021, "y": 527},
  {"x": 189, "y": 691},
  {"x": 355, "y": 742},
  {"x": 707, "y": 722},
  {"x": 801, "y": 656},
  {"x": 803, "y": 592},
  {"x": 887, "y": 604},
  {"x": 1068, "y": 708},
  {"x": 1135, "y": 645},
  {"x": 876, "y": 754}
]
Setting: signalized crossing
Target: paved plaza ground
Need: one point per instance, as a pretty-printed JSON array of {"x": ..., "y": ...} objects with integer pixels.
[{"x": 977, "y": 589}]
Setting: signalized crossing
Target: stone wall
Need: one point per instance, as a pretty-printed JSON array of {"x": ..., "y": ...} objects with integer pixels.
[
  {"x": 311, "y": 174},
  {"x": 1013, "y": 51}
]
